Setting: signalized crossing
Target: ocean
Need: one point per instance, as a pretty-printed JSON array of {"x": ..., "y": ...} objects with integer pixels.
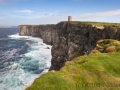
[{"x": 22, "y": 59}]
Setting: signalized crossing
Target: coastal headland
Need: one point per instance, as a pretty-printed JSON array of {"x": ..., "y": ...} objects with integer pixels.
[
  {"x": 70, "y": 39},
  {"x": 85, "y": 55}
]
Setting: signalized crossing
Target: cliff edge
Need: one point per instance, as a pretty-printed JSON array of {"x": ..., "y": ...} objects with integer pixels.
[{"x": 71, "y": 39}]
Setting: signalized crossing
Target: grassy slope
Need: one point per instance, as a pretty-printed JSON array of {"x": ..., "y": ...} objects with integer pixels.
[{"x": 97, "y": 71}]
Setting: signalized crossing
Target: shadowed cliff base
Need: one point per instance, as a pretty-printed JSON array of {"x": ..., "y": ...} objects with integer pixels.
[{"x": 71, "y": 39}]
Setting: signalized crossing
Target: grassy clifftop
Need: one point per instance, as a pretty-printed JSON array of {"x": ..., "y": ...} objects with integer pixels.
[
  {"x": 99, "y": 24},
  {"x": 97, "y": 71}
]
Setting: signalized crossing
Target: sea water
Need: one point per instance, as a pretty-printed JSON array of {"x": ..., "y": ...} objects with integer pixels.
[{"x": 22, "y": 59}]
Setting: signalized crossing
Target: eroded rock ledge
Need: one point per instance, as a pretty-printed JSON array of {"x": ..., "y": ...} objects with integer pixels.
[{"x": 69, "y": 39}]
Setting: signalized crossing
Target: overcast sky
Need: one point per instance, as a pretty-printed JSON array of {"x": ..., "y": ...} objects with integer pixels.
[{"x": 16, "y": 12}]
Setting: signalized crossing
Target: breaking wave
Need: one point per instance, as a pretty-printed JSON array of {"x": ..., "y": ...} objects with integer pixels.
[{"x": 22, "y": 60}]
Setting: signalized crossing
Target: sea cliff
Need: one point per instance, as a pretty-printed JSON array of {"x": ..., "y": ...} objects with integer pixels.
[{"x": 70, "y": 39}]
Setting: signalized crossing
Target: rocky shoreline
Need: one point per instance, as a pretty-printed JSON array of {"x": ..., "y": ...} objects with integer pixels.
[{"x": 69, "y": 39}]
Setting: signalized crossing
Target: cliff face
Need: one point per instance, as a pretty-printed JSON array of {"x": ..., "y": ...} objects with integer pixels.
[
  {"x": 69, "y": 39},
  {"x": 46, "y": 32}
]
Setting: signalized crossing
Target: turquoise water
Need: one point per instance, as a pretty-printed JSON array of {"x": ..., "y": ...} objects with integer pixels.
[{"x": 22, "y": 59}]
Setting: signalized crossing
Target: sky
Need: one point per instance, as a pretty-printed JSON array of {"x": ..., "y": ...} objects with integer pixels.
[{"x": 17, "y": 12}]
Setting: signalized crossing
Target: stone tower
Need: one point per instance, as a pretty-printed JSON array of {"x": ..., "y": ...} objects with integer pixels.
[{"x": 69, "y": 18}]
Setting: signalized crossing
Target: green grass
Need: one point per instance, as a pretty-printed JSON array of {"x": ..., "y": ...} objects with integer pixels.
[
  {"x": 98, "y": 24},
  {"x": 97, "y": 71}
]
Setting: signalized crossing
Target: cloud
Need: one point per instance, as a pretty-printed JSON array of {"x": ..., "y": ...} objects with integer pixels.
[
  {"x": 12, "y": 21},
  {"x": 2, "y": 15},
  {"x": 7, "y": 2},
  {"x": 68, "y": 12},
  {"x": 47, "y": 14},
  {"x": 100, "y": 14},
  {"x": 57, "y": 11},
  {"x": 3, "y": 2},
  {"x": 31, "y": 14},
  {"x": 24, "y": 11}
]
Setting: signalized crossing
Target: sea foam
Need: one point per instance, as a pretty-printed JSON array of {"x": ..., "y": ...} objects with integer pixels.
[{"x": 21, "y": 73}]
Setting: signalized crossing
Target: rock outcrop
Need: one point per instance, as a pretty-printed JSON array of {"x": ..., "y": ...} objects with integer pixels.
[
  {"x": 69, "y": 39},
  {"x": 46, "y": 32}
]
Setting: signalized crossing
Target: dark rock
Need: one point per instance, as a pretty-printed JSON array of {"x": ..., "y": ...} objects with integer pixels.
[
  {"x": 47, "y": 48},
  {"x": 69, "y": 40}
]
